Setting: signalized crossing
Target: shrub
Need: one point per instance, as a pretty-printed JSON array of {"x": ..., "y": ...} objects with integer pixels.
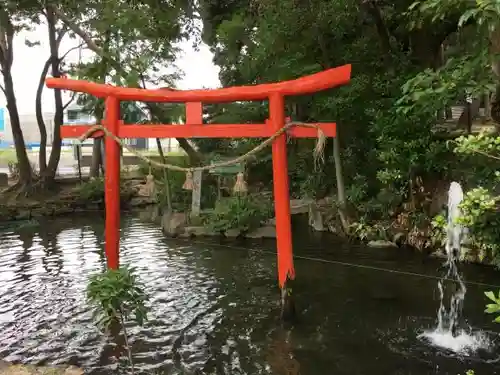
[{"x": 240, "y": 212}]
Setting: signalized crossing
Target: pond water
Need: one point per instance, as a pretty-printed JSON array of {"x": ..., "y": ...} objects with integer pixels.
[{"x": 214, "y": 309}]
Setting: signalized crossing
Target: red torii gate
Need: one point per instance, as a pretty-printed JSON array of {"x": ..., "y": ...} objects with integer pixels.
[{"x": 194, "y": 127}]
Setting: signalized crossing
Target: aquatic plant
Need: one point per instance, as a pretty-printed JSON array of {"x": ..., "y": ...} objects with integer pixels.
[{"x": 117, "y": 296}]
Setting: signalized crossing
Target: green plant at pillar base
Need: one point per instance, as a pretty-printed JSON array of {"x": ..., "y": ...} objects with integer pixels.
[{"x": 118, "y": 296}]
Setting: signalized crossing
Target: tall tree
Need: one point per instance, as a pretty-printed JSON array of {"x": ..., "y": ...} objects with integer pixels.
[
  {"x": 143, "y": 37},
  {"x": 42, "y": 157},
  {"x": 11, "y": 20}
]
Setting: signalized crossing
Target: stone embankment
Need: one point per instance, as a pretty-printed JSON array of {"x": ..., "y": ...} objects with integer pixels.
[{"x": 7, "y": 368}]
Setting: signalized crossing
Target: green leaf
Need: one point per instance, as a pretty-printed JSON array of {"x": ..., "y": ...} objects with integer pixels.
[
  {"x": 490, "y": 295},
  {"x": 491, "y": 309}
]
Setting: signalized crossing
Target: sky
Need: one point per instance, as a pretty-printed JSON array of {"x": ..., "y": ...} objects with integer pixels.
[{"x": 199, "y": 71}]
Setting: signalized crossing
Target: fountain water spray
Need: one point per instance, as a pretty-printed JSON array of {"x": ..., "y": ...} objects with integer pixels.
[
  {"x": 448, "y": 320},
  {"x": 448, "y": 333}
]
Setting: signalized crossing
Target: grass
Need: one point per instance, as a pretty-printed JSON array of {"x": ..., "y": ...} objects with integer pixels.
[{"x": 7, "y": 155}]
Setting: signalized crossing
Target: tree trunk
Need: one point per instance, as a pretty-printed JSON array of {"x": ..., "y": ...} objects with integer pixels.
[
  {"x": 42, "y": 156},
  {"x": 97, "y": 161},
  {"x": 96, "y": 158},
  {"x": 6, "y": 58},
  {"x": 487, "y": 107},
  {"x": 337, "y": 160},
  {"x": 23, "y": 163},
  {"x": 55, "y": 154},
  {"x": 194, "y": 156}
]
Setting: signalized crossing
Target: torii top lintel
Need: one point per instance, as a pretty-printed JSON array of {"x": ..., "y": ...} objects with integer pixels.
[{"x": 304, "y": 85}]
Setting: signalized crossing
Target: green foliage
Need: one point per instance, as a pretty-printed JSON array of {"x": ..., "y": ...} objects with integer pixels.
[
  {"x": 483, "y": 12},
  {"x": 117, "y": 295},
  {"x": 432, "y": 90},
  {"x": 493, "y": 308},
  {"x": 240, "y": 212},
  {"x": 481, "y": 217},
  {"x": 480, "y": 206},
  {"x": 479, "y": 144},
  {"x": 306, "y": 179},
  {"x": 365, "y": 231},
  {"x": 136, "y": 41},
  {"x": 438, "y": 236},
  {"x": 92, "y": 190}
]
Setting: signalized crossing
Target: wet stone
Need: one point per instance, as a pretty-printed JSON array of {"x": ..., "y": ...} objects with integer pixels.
[
  {"x": 23, "y": 214},
  {"x": 173, "y": 223},
  {"x": 40, "y": 211},
  {"x": 381, "y": 244},
  {"x": 232, "y": 233},
  {"x": 268, "y": 231},
  {"x": 196, "y": 231},
  {"x": 63, "y": 210}
]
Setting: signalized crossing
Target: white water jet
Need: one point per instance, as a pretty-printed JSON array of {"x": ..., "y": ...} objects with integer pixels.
[
  {"x": 454, "y": 231},
  {"x": 448, "y": 334}
]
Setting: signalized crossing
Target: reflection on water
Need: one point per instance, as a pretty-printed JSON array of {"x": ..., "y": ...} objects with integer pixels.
[{"x": 214, "y": 309}]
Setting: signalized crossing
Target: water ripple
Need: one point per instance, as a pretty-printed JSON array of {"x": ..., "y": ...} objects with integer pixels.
[{"x": 212, "y": 310}]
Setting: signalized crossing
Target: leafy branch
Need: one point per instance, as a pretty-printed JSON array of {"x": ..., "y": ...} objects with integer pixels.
[
  {"x": 117, "y": 296},
  {"x": 434, "y": 89}
]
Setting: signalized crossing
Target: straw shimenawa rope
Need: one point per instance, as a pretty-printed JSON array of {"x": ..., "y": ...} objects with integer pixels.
[{"x": 318, "y": 152}]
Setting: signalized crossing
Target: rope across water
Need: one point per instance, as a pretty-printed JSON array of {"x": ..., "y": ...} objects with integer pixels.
[{"x": 346, "y": 264}]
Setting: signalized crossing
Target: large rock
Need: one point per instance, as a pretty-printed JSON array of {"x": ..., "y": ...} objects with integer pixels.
[
  {"x": 267, "y": 231},
  {"x": 300, "y": 206},
  {"x": 326, "y": 202},
  {"x": 173, "y": 223},
  {"x": 316, "y": 218},
  {"x": 232, "y": 233},
  {"x": 196, "y": 231},
  {"x": 381, "y": 244}
]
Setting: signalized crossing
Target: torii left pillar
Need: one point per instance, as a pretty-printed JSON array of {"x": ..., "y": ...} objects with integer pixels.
[
  {"x": 112, "y": 183},
  {"x": 112, "y": 174}
]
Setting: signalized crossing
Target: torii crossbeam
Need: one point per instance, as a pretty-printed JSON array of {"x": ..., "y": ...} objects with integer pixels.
[{"x": 194, "y": 127}]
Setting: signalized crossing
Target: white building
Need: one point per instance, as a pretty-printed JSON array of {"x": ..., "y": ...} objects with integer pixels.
[
  {"x": 73, "y": 115},
  {"x": 29, "y": 126}
]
